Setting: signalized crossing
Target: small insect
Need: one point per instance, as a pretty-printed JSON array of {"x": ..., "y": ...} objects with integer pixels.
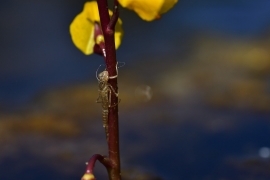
[{"x": 105, "y": 91}]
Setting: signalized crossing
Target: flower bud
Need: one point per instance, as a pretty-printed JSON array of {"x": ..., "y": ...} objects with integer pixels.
[{"x": 88, "y": 177}]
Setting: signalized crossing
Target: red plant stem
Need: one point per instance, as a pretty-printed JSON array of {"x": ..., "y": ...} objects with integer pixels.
[
  {"x": 91, "y": 163},
  {"x": 107, "y": 26}
]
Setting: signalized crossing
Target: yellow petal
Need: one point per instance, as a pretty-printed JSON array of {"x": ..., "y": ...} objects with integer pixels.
[
  {"x": 167, "y": 5},
  {"x": 82, "y": 28},
  {"x": 118, "y": 35},
  {"x": 148, "y": 9},
  {"x": 82, "y": 33},
  {"x": 91, "y": 11}
]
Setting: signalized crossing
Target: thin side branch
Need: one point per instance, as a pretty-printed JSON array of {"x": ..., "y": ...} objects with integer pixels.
[
  {"x": 98, "y": 50},
  {"x": 99, "y": 39},
  {"x": 91, "y": 163},
  {"x": 114, "y": 18}
]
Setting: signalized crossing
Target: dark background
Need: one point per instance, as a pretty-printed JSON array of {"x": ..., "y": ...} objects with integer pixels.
[{"x": 207, "y": 63}]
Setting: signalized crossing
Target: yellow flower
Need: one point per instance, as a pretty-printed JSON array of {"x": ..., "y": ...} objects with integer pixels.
[
  {"x": 148, "y": 9},
  {"x": 82, "y": 28}
]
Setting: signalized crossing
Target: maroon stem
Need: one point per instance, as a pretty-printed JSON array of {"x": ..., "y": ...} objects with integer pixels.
[
  {"x": 91, "y": 163},
  {"x": 107, "y": 26}
]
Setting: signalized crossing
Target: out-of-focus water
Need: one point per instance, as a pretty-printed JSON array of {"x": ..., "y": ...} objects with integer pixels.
[
  {"x": 206, "y": 61},
  {"x": 190, "y": 141},
  {"x": 220, "y": 147}
]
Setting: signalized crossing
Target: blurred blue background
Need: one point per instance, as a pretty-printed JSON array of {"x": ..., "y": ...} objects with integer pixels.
[{"x": 207, "y": 63}]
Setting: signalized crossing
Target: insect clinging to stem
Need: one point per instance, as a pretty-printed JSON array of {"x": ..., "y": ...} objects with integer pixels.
[{"x": 105, "y": 91}]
